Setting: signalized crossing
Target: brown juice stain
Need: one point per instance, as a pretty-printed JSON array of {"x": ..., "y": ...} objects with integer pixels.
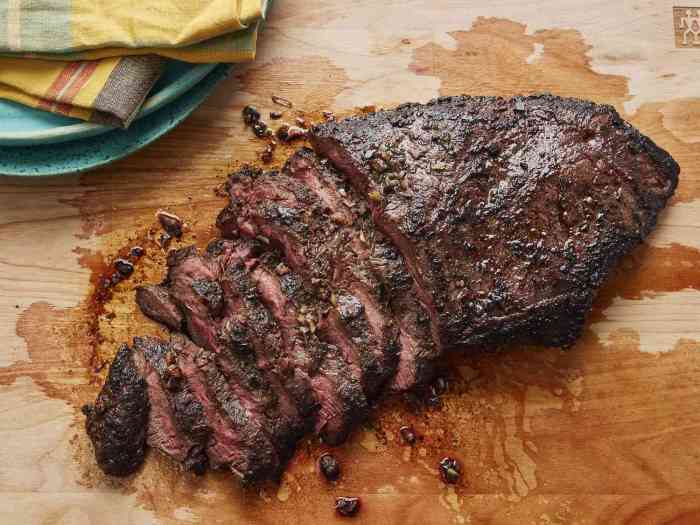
[
  {"x": 649, "y": 270},
  {"x": 545, "y": 425},
  {"x": 681, "y": 117},
  {"x": 490, "y": 59}
]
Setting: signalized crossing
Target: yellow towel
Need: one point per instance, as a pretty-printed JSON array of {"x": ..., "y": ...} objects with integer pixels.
[{"x": 81, "y": 57}]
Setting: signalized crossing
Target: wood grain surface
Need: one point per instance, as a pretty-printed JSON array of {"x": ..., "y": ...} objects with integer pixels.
[{"x": 605, "y": 433}]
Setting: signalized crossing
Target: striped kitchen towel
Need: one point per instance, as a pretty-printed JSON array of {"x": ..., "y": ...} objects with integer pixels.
[
  {"x": 109, "y": 91},
  {"x": 98, "y": 59}
]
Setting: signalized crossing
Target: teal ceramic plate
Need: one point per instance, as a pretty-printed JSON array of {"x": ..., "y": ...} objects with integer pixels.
[
  {"x": 91, "y": 152},
  {"x": 21, "y": 125}
]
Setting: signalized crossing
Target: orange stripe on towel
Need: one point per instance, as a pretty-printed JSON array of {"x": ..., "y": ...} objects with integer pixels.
[
  {"x": 48, "y": 101},
  {"x": 83, "y": 76}
]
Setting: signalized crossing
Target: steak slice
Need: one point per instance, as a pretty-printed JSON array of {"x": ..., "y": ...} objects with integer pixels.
[
  {"x": 155, "y": 302},
  {"x": 314, "y": 239},
  {"x": 379, "y": 266},
  {"x": 509, "y": 213},
  {"x": 176, "y": 425},
  {"x": 118, "y": 421},
  {"x": 192, "y": 283}
]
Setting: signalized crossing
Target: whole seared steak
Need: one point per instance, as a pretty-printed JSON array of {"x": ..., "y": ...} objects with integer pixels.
[
  {"x": 462, "y": 221},
  {"x": 508, "y": 212}
]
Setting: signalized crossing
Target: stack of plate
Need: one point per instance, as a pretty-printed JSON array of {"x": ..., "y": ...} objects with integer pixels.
[{"x": 34, "y": 142}]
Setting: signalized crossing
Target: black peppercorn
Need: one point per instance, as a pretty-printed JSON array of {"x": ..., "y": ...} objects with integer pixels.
[
  {"x": 260, "y": 128},
  {"x": 450, "y": 470},
  {"x": 250, "y": 115},
  {"x": 282, "y": 132},
  {"x": 171, "y": 223},
  {"x": 330, "y": 468},
  {"x": 408, "y": 435},
  {"x": 124, "y": 267},
  {"x": 347, "y": 506},
  {"x": 137, "y": 251}
]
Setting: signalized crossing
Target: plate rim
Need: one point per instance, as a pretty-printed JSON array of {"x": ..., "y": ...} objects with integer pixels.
[
  {"x": 189, "y": 102},
  {"x": 88, "y": 129}
]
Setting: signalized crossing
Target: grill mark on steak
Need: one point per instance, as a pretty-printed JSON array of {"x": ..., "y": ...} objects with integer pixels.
[
  {"x": 117, "y": 422},
  {"x": 509, "y": 212},
  {"x": 314, "y": 241},
  {"x": 176, "y": 424}
]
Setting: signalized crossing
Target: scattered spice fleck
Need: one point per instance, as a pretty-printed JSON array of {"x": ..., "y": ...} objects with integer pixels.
[
  {"x": 281, "y": 101},
  {"x": 250, "y": 115},
  {"x": 170, "y": 222},
  {"x": 329, "y": 466},
  {"x": 260, "y": 128},
  {"x": 347, "y": 506},
  {"x": 450, "y": 470},
  {"x": 282, "y": 132},
  {"x": 408, "y": 435},
  {"x": 287, "y": 133},
  {"x": 124, "y": 267},
  {"x": 267, "y": 153},
  {"x": 164, "y": 240}
]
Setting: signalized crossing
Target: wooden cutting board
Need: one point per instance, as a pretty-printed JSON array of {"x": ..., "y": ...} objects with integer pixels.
[{"x": 607, "y": 432}]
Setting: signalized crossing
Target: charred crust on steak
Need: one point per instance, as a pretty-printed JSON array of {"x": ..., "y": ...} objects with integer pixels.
[{"x": 117, "y": 422}]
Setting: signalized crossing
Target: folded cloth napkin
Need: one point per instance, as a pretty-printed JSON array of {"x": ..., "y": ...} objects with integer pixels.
[
  {"x": 98, "y": 59},
  {"x": 108, "y": 91}
]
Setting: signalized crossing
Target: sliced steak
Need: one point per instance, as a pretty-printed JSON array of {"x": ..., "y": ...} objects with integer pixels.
[
  {"x": 314, "y": 239},
  {"x": 176, "y": 425},
  {"x": 118, "y": 421},
  {"x": 334, "y": 380},
  {"x": 236, "y": 439},
  {"x": 246, "y": 340},
  {"x": 155, "y": 302},
  {"x": 508, "y": 212},
  {"x": 192, "y": 282},
  {"x": 252, "y": 336},
  {"x": 380, "y": 266},
  {"x": 224, "y": 317}
]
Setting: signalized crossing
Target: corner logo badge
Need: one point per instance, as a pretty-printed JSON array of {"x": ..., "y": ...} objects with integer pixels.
[{"x": 686, "y": 23}]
